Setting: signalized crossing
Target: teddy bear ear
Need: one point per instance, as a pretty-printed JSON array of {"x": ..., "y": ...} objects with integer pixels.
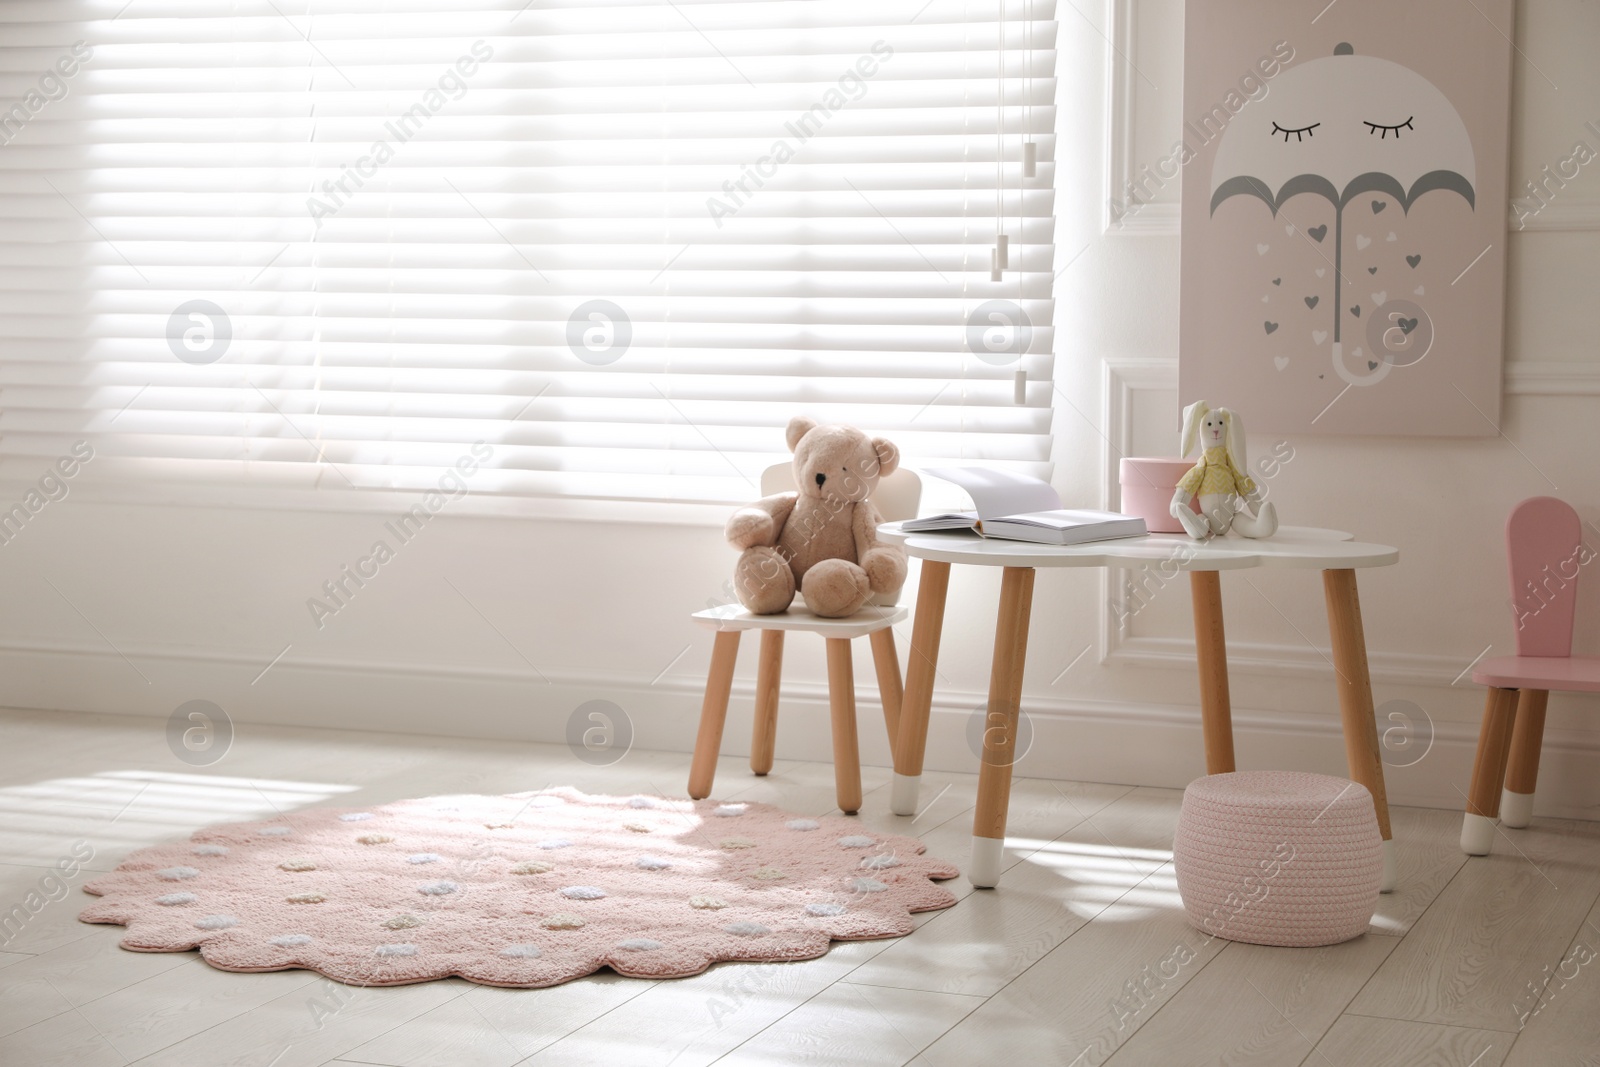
[
  {"x": 888, "y": 456},
  {"x": 799, "y": 426}
]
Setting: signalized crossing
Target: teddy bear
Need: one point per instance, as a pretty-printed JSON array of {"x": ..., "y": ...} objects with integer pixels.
[{"x": 823, "y": 539}]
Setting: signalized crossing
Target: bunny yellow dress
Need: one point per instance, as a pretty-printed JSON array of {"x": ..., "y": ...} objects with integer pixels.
[{"x": 1215, "y": 473}]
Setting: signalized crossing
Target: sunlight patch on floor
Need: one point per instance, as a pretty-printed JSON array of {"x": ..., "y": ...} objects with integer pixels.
[{"x": 122, "y": 809}]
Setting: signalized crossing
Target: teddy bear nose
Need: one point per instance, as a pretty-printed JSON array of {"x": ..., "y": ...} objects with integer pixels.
[{"x": 821, "y": 477}]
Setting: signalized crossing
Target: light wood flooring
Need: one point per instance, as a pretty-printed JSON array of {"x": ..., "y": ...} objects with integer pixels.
[{"x": 1470, "y": 964}]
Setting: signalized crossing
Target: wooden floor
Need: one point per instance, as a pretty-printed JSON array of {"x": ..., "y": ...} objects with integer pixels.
[{"x": 1082, "y": 957}]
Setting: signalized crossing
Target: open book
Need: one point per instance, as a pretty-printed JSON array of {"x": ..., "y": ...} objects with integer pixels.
[{"x": 1018, "y": 508}]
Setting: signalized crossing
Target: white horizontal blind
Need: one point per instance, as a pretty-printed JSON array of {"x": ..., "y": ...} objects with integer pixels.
[{"x": 406, "y": 209}]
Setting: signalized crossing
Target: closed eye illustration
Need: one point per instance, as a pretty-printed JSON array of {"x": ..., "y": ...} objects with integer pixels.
[
  {"x": 1299, "y": 135},
  {"x": 1374, "y": 127}
]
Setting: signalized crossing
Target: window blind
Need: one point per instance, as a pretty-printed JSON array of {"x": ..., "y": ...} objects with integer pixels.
[{"x": 585, "y": 248}]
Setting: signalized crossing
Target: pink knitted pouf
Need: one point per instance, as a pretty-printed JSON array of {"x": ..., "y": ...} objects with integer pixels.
[{"x": 1278, "y": 857}]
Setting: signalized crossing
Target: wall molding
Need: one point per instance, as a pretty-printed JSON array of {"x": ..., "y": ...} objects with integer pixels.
[
  {"x": 1552, "y": 377},
  {"x": 1163, "y": 218},
  {"x": 1567, "y": 216},
  {"x": 1290, "y": 661},
  {"x": 1085, "y": 739},
  {"x": 1123, "y": 375},
  {"x": 1121, "y": 378},
  {"x": 1147, "y": 219}
]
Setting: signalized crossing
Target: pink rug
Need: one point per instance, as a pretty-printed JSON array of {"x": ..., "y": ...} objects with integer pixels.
[{"x": 525, "y": 890}]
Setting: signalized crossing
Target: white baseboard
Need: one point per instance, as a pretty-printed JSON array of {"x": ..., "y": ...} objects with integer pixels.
[{"x": 1075, "y": 740}]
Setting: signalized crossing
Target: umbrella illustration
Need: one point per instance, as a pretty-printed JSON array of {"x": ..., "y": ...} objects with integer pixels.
[{"x": 1341, "y": 127}]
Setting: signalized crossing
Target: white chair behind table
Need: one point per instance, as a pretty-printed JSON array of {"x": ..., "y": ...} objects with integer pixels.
[{"x": 897, "y": 497}]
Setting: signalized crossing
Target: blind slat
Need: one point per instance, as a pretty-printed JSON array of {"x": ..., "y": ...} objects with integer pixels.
[{"x": 619, "y": 241}]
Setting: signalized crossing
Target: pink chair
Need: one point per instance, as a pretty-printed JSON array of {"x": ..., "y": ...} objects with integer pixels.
[{"x": 1544, "y": 543}]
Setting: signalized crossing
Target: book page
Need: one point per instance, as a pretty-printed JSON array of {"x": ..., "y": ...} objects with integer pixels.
[
  {"x": 1079, "y": 517},
  {"x": 997, "y": 493}
]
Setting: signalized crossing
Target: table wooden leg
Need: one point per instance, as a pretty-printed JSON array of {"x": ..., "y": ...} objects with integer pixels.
[
  {"x": 1000, "y": 726},
  {"x": 1211, "y": 650},
  {"x": 921, "y": 664},
  {"x": 1488, "y": 771},
  {"x": 887, "y": 663},
  {"x": 1355, "y": 702},
  {"x": 769, "y": 669},
  {"x": 713, "y": 713},
  {"x": 842, "y": 702}
]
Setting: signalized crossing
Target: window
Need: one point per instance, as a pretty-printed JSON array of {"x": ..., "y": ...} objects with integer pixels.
[{"x": 573, "y": 249}]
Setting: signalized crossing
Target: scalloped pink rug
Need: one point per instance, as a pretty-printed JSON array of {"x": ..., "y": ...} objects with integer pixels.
[{"x": 526, "y": 890}]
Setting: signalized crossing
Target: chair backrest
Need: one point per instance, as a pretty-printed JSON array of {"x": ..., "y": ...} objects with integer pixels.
[
  {"x": 897, "y": 496},
  {"x": 1544, "y": 546}
]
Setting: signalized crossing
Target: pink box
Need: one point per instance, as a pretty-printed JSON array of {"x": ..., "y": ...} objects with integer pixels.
[{"x": 1147, "y": 487}]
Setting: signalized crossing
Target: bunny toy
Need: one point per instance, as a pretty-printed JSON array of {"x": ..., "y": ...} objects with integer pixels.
[{"x": 1219, "y": 479}]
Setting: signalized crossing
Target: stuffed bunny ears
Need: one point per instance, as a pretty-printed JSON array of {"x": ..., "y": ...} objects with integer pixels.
[{"x": 1194, "y": 417}]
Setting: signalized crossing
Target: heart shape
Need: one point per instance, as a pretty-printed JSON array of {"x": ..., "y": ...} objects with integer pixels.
[
  {"x": 1289, "y": 229},
  {"x": 1356, "y": 311},
  {"x": 1380, "y": 299},
  {"x": 1280, "y": 361},
  {"x": 1319, "y": 232},
  {"x": 1413, "y": 260},
  {"x": 1378, "y": 205},
  {"x": 1319, "y": 336},
  {"x": 1321, "y": 271},
  {"x": 1371, "y": 365},
  {"x": 1311, "y": 301},
  {"x": 1418, "y": 290},
  {"x": 1372, "y": 270},
  {"x": 1270, "y": 326},
  {"x": 1391, "y": 237},
  {"x": 1277, "y": 281},
  {"x": 1265, "y": 299},
  {"x": 1406, "y": 325},
  {"x": 1362, "y": 241},
  {"x": 1261, "y": 250}
]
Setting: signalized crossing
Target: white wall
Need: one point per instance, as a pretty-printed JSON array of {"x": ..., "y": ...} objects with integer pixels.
[{"x": 153, "y": 606}]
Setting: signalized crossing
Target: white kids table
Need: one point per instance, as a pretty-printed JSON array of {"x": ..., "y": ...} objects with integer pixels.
[{"x": 1292, "y": 547}]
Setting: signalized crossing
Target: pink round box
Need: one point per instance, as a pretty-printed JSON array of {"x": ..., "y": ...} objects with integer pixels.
[{"x": 1147, "y": 487}]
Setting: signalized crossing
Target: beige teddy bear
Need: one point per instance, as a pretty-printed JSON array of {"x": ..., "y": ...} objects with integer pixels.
[{"x": 822, "y": 540}]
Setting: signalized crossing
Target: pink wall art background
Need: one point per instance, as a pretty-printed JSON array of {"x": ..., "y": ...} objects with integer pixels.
[{"x": 1344, "y": 214}]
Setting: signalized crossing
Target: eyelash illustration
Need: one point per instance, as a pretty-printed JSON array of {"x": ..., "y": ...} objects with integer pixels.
[
  {"x": 1299, "y": 135},
  {"x": 1374, "y": 127}
]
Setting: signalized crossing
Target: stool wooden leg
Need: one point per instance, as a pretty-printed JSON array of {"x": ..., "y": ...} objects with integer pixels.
[
  {"x": 1522, "y": 766},
  {"x": 1000, "y": 726},
  {"x": 764, "y": 738},
  {"x": 887, "y": 662},
  {"x": 1359, "y": 718},
  {"x": 713, "y": 713},
  {"x": 1211, "y": 650},
  {"x": 921, "y": 663},
  {"x": 1488, "y": 771},
  {"x": 842, "y": 701}
]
